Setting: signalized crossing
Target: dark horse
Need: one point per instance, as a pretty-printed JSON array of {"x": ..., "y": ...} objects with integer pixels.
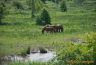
[
  {"x": 58, "y": 27},
  {"x": 48, "y": 29}
]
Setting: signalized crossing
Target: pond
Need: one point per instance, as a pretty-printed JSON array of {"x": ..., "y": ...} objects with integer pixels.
[{"x": 32, "y": 57}]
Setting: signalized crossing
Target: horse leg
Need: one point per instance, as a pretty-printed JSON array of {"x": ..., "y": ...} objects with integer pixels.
[{"x": 59, "y": 30}]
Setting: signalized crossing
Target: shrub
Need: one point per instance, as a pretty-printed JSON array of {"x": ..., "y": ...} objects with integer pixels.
[
  {"x": 1, "y": 12},
  {"x": 44, "y": 18},
  {"x": 91, "y": 40},
  {"x": 38, "y": 21},
  {"x": 63, "y": 6},
  {"x": 56, "y": 1},
  {"x": 18, "y": 5},
  {"x": 74, "y": 55},
  {"x": 44, "y": 1},
  {"x": 25, "y": 51},
  {"x": 28, "y": 50}
]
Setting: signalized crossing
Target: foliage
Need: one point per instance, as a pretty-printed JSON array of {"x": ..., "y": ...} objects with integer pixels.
[
  {"x": 37, "y": 3},
  {"x": 44, "y": 18},
  {"x": 25, "y": 51},
  {"x": 91, "y": 40},
  {"x": 2, "y": 14},
  {"x": 35, "y": 6},
  {"x": 42, "y": 50},
  {"x": 75, "y": 54},
  {"x": 28, "y": 50},
  {"x": 56, "y": 1},
  {"x": 18, "y": 5},
  {"x": 63, "y": 6},
  {"x": 44, "y": 1}
]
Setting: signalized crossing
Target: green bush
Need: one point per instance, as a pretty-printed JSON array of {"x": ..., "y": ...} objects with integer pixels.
[
  {"x": 43, "y": 1},
  {"x": 1, "y": 12},
  {"x": 74, "y": 54},
  {"x": 91, "y": 40},
  {"x": 63, "y": 6},
  {"x": 26, "y": 51},
  {"x": 44, "y": 18},
  {"x": 18, "y": 5}
]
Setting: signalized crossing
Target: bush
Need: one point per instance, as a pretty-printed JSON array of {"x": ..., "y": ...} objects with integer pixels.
[
  {"x": 74, "y": 55},
  {"x": 28, "y": 50},
  {"x": 18, "y": 5},
  {"x": 25, "y": 51},
  {"x": 1, "y": 12},
  {"x": 91, "y": 40},
  {"x": 44, "y": 1},
  {"x": 56, "y": 1},
  {"x": 44, "y": 18},
  {"x": 63, "y": 6}
]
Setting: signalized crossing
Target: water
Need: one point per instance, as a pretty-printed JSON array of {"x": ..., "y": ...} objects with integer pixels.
[
  {"x": 41, "y": 57},
  {"x": 36, "y": 57}
]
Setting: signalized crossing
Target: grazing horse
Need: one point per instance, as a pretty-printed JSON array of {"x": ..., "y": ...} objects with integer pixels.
[
  {"x": 48, "y": 29},
  {"x": 58, "y": 27}
]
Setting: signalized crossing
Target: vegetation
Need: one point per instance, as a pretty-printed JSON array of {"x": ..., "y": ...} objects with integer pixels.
[
  {"x": 63, "y": 6},
  {"x": 1, "y": 12},
  {"x": 43, "y": 1},
  {"x": 17, "y": 5},
  {"x": 35, "y": 6},
  {"x": 73, "y": 46},
  {"x": 91, "y": 40},
  {"x": 44, "y": 18}
]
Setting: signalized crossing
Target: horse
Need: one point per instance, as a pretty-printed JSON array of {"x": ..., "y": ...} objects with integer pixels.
[
  {"x": 48, "y": 29},
  {"x": 58, "y": 27}
]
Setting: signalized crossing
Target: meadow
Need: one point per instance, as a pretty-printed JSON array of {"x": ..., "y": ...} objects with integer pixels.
[{"x": 20, "y": 30}]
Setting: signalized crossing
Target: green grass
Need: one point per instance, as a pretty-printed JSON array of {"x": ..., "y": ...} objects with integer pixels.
[
  {"x": 21, "y": 29},
  {"x": 30, "y": 63}
]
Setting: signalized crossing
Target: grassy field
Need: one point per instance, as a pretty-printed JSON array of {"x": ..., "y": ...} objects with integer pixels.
[{"x": 20, "y": 31}]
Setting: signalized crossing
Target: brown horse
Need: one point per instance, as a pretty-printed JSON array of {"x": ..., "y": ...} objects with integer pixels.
[
  {"x": 48, "y": 29},
  {"x": 58, "y": 27}
]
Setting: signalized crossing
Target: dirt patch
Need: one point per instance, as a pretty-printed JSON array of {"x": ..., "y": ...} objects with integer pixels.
[{"x": 74, "y": 40}]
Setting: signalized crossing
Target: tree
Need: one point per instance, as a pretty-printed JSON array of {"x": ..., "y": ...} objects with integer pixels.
[
  {"x": 63, "y": 6},
  {"x": 56, "y": 1},
  {"x": 35, "y": 6},
  {"x": 43, "y": 1},
  {"x": 1, "y": 12},
  {"x": 44, "y": 18},
  {"x": 18, "y": 5}
]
